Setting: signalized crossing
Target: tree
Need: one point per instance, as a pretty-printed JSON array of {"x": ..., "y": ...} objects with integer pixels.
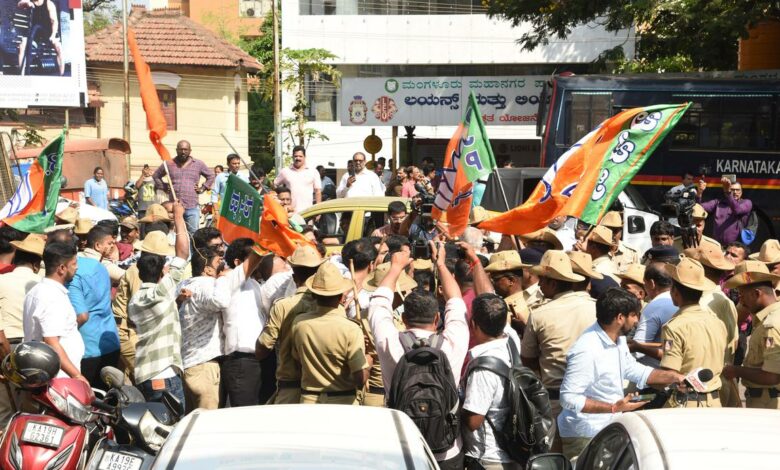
[
  {"x": 100, "y": 17},
  {"x": 92, "y": 5},
  {"x": 672, "y": 35}
]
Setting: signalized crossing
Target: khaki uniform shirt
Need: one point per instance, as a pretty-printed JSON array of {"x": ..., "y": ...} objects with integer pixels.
[
  {"x": 553, "y": 328},
  {"x": 694, "y": 338},
  {"x": 277, "y": 331},
  {"x": 726, "y": 311},
  {"x": 604, "y": 265},
  {"x": 329, "y": 348},
  {"x": 517, "y": 306},
  {"x": 764, "y": 346},
  {"x": 623, "y": 256},
  {"x": 533, "y": 297},
  {"x": 678, "y": 244},
  {"x": 13, "y": 288},
  {"x": 128, "y": 286}
]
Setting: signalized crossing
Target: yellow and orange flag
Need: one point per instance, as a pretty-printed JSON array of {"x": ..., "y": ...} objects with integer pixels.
[{"x": 155, "y": 120}]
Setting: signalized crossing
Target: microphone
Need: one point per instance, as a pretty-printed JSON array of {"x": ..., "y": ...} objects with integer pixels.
[{"x": 697, "y": 379}]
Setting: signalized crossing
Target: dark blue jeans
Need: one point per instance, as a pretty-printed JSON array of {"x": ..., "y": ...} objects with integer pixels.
[
  {"x": 240, "y": 380},
  {"x": 174, "y": 385}
]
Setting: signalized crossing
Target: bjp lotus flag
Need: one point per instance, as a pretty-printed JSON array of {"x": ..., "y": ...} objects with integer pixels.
[
  {"x": 31, "y": 208},
  {"x": 239, "y": 214},
  {"x": 275, "y": 232},
  {"x": 155, "y": 120},
  {"x": 593, "y": 171},
  {"x": 468, "y": 158}
]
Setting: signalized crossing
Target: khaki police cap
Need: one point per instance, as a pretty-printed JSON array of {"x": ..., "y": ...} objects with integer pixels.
[
  {"x": 130, "y": 222},
  {"x": 156, "y": 242},
  {"x": 305, "y": 256},
  {"x": 32, "y": 243},
  {"x": 698, "y": 212},
  {"x": 83, "y": 226},
  {"x": 556, "y": 265},
  {"x": 546, "y": 235},
  {"x": 508, "y": 260},
  {"x": 710, "y": 256},
  {"x": 404, "y": 284},
  {"x": 690, "y": 273},
  {"x": 328, "y": 281},
  {"x": 582, "y": 263},
  {"x": 750, "y": 272},
  {"x": 156, "y": 213},
  {"x": 612, "y": 219},
  {"x": 769, "y": 253},
  {"x": 57, "y": 228},
  {"x": 422, "y": 265},
  {"x": 601, "y": 235},
  {"x": 633, "y": 273},
  {"x": 478, "y": 214},
  {"x": 69, "y": 215}
]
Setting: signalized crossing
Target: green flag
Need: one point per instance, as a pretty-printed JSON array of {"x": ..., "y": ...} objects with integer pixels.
[{"x": 240, "y": 211}]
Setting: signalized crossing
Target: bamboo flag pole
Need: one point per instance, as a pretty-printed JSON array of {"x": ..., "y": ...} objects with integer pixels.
[{"x": 170, "y": 181}]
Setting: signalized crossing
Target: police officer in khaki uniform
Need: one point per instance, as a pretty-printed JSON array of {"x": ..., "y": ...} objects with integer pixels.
[
  {"x": 715, "y": 266},
  {"x": 760, "y": 371},
  {"x": 327, "y": 346},
  {"x": 542, "y": 239},
  {"x": 699, "y": 218},
  {"x": 770, "y": 255},
  {"x": 582, "y": 263},
  {"x": 599, "y": 246},
  {"x": 622, "y": 255},
  {"x": 277, "y": 332},
  {"x": 532, "y": 293},
  {"x": 506, "y": 274},
  {"x": 374, "y": 393},
  {"x": 693, "y": 337},
  {"x": 632, "y": 279},
  {"x": 554, "y": 327}
]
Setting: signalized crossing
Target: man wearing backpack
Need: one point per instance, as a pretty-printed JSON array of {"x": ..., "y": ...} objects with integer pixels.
[
  {"x": 437, "y": 356},
  {"x": 597, "y": 366},
  {"x": 486, "y": 403}
]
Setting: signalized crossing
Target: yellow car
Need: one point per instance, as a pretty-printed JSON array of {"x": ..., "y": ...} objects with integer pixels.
[{"x": 345, "y": 219}]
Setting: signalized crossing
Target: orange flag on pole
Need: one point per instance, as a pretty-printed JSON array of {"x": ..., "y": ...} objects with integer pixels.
[
  {"x": 155, "y": 120},
  {"x": 275, "y": 232}
]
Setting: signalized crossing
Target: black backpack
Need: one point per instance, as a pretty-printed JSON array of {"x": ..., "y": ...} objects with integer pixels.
[
  {"x": 531, "y": 426},
  {"x": 423, "y": 387}
]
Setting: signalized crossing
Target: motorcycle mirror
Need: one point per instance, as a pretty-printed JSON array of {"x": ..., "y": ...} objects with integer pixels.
[
  {"x": 173, "y": 404},
  {"x": 112, "y": 376}
]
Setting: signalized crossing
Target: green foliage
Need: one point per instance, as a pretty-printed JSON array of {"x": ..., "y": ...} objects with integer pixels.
[
  {"x": 100, "y": 17},
  {"x": 672, "y": 35}
]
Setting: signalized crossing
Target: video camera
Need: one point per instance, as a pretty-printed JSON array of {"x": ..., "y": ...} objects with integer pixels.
[{"x": 679, "y": 205}]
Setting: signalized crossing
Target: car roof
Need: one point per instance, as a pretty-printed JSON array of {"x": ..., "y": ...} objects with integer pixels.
[
  {"x": 715, "y": 438},
  {"x": 295, "y": 436},
  {"x": 376, "y": 203}
]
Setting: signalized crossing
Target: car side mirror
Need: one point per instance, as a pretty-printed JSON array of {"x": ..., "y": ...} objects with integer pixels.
[
  {"x": 548, "y": 462},
  {"x": 636, "y": 224},
  {"x": 173, "y": 404}
]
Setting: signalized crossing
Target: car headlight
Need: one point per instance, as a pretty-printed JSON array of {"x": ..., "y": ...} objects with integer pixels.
[
  {"x": 149, "y": 430},
  {"x": 71, "y": 407}
]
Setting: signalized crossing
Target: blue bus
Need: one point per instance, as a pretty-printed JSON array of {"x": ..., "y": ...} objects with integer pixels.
[{"x": 732, "y": 127}]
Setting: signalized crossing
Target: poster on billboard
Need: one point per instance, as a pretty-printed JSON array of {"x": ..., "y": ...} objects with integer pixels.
[
  {"x": 439, "y": 101},
  {"x": 42, "y": 53}
]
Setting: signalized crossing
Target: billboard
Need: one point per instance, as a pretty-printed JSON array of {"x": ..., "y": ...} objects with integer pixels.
[
  {"x": 439, "y": 101},
  {"x": 42, "y": 53}
]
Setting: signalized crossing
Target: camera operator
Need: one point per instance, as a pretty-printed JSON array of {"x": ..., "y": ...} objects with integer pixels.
[
  {"x": 731, "y": 210},
  {"x": 698, "y": 219}
]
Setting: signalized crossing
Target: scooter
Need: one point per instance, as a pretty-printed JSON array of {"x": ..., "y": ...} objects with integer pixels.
[
  {"x": 56, "y": 439},
  {"x": 139, "y": 428}
]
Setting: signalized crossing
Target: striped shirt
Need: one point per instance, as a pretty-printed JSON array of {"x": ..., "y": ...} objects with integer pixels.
[
  {"x": 185, "y": 178},
  {"x": 154, "y": 313}
]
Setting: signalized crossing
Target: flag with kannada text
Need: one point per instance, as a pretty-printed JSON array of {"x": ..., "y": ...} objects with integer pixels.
[
  {"x": 275, "y": 232},
  {"x": 468, "y": 158},
  {"x": 585, "y": 180},
  {"x": 31, "y": 209},
  {"x": 239, "y": 214},
  {"x": 155, "y": 120}
]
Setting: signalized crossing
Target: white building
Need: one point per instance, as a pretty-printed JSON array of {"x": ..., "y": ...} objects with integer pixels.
[{"x": 412, "y": 38}]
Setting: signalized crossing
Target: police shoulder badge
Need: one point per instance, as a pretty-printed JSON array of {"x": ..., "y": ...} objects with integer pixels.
[
  {"x": 358, "y": 110},
  {"x": 668, "y": 344},
  {"x": 769, "y": 342}
]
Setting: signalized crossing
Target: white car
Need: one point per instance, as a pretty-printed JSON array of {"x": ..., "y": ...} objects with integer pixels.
[
  {"x": 295, "y": 437},
  {"x": 95, "y": 214},
  {"x": 680, "y": 439}
]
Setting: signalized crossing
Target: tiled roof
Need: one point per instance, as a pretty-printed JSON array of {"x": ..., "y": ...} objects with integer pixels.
[{"x": 166, "y": 37}]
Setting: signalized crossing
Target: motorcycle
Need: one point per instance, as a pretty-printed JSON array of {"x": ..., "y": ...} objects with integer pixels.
[
  {"x": 123, "y": 207},
  {"x": 56, "y": 439},
  {"x": 139, "y": 428}
]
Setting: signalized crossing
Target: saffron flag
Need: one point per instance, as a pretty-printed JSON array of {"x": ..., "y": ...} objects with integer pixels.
[
  {"x": 585, "y": 180},
  {"x": 468, "y": 157},
  {"x": 239, "y": 215},
  {"x": 275, "y": 232},
  {"x": 155, "y": 120},
  {"x": 31, "y": 209}
]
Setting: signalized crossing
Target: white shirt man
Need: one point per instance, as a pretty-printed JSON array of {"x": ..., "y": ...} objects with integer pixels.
[
  {"x": 304, "y": 183},
  {"x": 363, "y": 183}
]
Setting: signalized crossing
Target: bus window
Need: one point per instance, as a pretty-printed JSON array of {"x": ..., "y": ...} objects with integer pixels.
[{"x": 585, "y": 112}]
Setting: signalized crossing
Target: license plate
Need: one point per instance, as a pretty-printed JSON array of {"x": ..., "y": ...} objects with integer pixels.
[
  {"x": 43, "y": 434},
  {"x": 119, "y": 461}
]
